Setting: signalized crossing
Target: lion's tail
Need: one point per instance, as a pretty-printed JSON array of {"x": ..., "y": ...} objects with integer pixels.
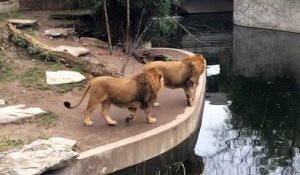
[{"x": 68, "y": 104}]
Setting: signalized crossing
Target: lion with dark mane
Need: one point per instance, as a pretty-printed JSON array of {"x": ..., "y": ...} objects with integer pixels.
[
  {"x": 181, "y": 74},
  {"x": 137, "y": 92}
]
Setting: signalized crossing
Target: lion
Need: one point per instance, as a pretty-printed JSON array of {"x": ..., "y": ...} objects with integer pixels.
[
  {"x": 181, "y": 74},
  {"x": 137, "y": 92}
]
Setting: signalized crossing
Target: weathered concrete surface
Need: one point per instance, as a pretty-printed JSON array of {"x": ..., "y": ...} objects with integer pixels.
[
  {"x": 269, "y": 53},
  {"x": 10, "y": 114},
  {"x": 9, "y": 6},
  {"x": 141, "y": 147},
  {"x": 38, "y": 156},
  {"x": 62, "y": 77},
  {"x": 276, "y": 14}
]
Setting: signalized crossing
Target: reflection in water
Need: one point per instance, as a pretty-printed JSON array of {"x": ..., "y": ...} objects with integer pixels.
[
  {"x": 258, "y": 130},
  {"x": 251, "y": 120}
]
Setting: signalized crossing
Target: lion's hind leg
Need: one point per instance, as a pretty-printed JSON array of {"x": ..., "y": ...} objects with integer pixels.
[
  {"x": 105, "y": 112},
  {"x": 87, "y": 114},
  {"x": 91, "y": 106},
  {"x": 132, "y": 112}
]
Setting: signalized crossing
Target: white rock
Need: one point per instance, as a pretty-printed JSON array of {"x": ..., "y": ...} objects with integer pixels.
[
  {"x": 61, "y": 77},
  {"x": 213, "y": 70},
  {"x": 23, "y": 22},
  {"x": 14, "y": 113},
  {"x": 37, "y": 157},
  {"x": 94, "y": 42},
  {"x": 75, "y": 51},
  {"x": 59, "y": 31}
]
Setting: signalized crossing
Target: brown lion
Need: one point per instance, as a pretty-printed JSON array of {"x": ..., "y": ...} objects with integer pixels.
[
  {"x": 181, "y": 74},
  {"x": 137, "y": 92}
]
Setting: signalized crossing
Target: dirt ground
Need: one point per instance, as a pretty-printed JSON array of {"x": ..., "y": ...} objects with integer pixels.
[{"x": 16, "y": 88}]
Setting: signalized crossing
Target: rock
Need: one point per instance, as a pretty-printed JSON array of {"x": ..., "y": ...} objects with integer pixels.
[
  {"x": 2, "y": 102},
  {"x": 23, "y": 22},
  {"x": 75, "y": 51},
  {"x": 38, "y": 157},
  {"x": 15, "y": 113},
  {"x": 93, "y": 42},
  {"x": 61, "y": 77},
  {"x": 59, "y": 31}
]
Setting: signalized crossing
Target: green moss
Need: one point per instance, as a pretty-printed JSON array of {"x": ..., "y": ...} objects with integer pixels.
[
  {"x": 34, "y": 78},
  {"x": 6, "y": 144},
  {"x": 7, "y": 75},
  {"x": 5, "y": 16},
  {"x": 63, "y": 88},
  {"x": 46, "y": 120}
]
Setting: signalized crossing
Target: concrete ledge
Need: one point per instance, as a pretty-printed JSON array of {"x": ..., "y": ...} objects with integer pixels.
[
  {"x": 124, "y": 153},
  {"x": 9, "y": 6}
]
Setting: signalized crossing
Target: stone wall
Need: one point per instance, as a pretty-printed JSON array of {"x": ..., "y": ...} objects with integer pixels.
[
  {"x": 270, "y": 14},
  {"x": 265, "y": 53}
]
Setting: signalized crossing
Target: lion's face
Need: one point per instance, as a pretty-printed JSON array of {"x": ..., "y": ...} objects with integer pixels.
[
  {"x": 199, "y": 61},
  {"x": 156, "y": 77}
]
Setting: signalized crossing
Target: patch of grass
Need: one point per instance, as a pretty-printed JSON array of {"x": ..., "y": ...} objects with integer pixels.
[
  {"x": 64, "y": 88},
  {"x": 78, "y": 69},
  {"x": 34, "y": 78},
  {"x": 7, "y": 75},
  {"x": 5, "y": 16},
  {"x": 55, "y": 66},
  {"x": 43, "y": 136},
  {"x": 30, "y": 30},
  {"x": 6, "y": 144},
  {"x": 45, "y": 120}
]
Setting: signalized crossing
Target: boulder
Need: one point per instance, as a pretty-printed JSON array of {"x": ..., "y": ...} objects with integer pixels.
[
  {"x": 62, "y": 77},
  {"x": 38, "y": 157},
  {"x": 10, "y": 114},
  {"x": 93, "y": 42},
  {"x": 55, "y": 32},
  {"x": 75, "y": 51},
  {"x": 23, "y": 22}
]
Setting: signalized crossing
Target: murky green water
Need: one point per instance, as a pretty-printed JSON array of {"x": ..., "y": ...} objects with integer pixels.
[{"x": 251, "y": 122}]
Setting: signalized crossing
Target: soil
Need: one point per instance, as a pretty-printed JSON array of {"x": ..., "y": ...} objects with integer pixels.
[{"x": 68, "y": 123}]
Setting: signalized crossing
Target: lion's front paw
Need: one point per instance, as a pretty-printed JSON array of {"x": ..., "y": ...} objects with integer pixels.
[
  {"x": 151, "y": 120},
  {"x": 88, "y": 123},
  {"x": 112, "y": 123}
]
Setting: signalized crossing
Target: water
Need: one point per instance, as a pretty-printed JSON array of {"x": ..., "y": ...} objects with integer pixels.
[{"x": 251, "y": 120}]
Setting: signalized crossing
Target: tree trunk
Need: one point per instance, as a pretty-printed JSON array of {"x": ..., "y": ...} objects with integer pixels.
[
  {"x": 127, "y": 46},
  {"x": 127, "y": 35},
  {"x": 65, "y": 57},
  {"x": 107, "y": 27}
]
